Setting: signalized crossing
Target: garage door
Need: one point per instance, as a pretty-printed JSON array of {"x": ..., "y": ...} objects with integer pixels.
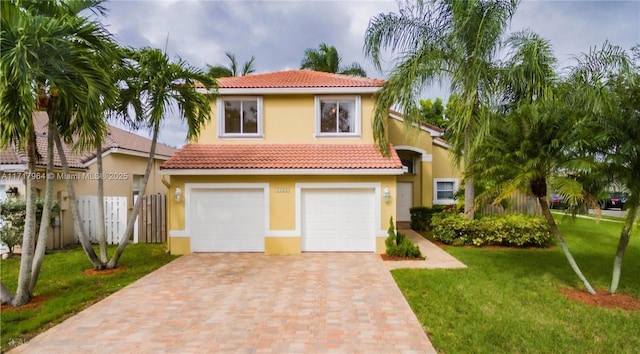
[
  {"x": 227, "y": 220},
  {"x": 338, "y": 220},
  {"x": 404, "y": 200}
]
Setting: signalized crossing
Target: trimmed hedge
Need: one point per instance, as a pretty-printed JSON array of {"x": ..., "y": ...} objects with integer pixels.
[
  {"x": 398, "y": 245},
  {"x": 421, "y": 216},
  {"x": 502, "y": 230}
]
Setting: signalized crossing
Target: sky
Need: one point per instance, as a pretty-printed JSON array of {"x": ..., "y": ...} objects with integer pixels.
[{"x": 278, "y": 32}]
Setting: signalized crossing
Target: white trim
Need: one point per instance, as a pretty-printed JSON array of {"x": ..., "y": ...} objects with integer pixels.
[
  {"x": 437, "y": 201},
  {"x": 422, "y": 127},
  {"x": 127, "y": 152},
  {"x": 189, "y": 187},
  {"x": 441, "y": 143},
  {"x": 425, "y": 156},
  {"x": 280, "y": 171},
  {"x": 377, "y": 187},
  {"x": 357, "y": 116},
  {"x": 282, "y": 233},
  {"x": 13, "y": 167},
  {"x": 291, "y": 90},
  {"x": 221, "y": 120}
]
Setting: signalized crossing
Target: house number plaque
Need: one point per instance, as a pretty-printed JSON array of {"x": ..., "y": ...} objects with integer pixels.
[{"x": 282, "y": 190}]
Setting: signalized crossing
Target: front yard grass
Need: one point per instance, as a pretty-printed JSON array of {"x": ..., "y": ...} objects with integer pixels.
[
  {"x": 69, "y": 290},
  {"x": 508, "y": 301}
]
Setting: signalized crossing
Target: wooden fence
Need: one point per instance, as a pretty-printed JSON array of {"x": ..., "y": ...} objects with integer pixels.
[
  {"x": 520, "y": 204},
  {"x": 152, "y": 220}
]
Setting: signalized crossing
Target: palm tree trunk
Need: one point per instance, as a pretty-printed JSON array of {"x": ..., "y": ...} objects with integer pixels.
[
  {"x": 102, "y": 237},
  {"x": 45, "y": 220},
  {"x": 5, "y": 295},
  {"x": 23, "y": 295},
  {"x": 544, "y": 206},
  {"x": 84, "y": 240},
  {"x": 124, "y": 239},
  {"x": 469, "y": 185},
  {"x": 625, "y": 235}
]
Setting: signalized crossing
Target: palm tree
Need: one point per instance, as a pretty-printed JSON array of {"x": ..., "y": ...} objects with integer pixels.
[
  {"x": 233, "y": 69},
  {"x": 159, "y": 83},
  {"x": 611, "y": 91},
  {"x": 454, "y": 40},
  {"x": 326, "y": 59},
  {"x": 533, "y": 136},
  {"x": 47, "y": 62}
]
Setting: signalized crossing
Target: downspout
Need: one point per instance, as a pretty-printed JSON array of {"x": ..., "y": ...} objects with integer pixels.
[{"x": 166, "y": 184}]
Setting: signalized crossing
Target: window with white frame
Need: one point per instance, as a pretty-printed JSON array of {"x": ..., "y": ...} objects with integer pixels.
[
  {"x": 240, "y": 117},
  {"x": 338, "y": 116},
  {"x": 444, "y": 189}
]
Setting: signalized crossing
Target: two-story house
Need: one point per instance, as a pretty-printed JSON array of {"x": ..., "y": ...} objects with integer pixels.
[{"x": 288, "y": 164}]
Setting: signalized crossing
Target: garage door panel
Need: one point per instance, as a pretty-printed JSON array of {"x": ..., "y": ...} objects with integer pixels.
[
  {"x": 338, "y": 220},
  {"x": 227, "y": 220}
]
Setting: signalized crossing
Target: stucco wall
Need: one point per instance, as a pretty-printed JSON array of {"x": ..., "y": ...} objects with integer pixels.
[{"x": 290, "y": 119}]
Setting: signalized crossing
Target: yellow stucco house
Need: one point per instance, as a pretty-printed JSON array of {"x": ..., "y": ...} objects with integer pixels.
[
  {"x": 288, "y": 164},
  {"x": 124, "y": 157}
]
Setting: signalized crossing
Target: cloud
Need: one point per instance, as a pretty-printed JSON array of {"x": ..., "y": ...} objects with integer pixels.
[{"x": 278, "y": 32}]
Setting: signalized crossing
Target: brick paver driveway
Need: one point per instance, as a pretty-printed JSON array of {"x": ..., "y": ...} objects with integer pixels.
[{"x": 248, "y": 303}]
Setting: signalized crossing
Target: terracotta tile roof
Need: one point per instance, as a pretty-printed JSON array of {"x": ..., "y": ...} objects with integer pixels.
[
  {"x": 281, "y": 156},
  {"x": 296, "y": 79},
  {"x": 117, "y": 138}
]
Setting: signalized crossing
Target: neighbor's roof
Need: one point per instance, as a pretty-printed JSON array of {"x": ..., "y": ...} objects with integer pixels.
[
  {"x": 116, "y": 139},
  {"x": 282, "y": 156},
  {"x": 296, "y": 79}
]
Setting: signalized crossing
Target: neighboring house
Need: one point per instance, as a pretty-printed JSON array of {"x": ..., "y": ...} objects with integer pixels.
[
  {"x": 288, "y": 164},
  {"x": 124, "y": 157}
]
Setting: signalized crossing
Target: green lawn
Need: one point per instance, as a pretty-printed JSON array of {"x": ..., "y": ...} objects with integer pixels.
[
  {"x": 508, "y": 301},
  {"x": 62, "y": 279}
]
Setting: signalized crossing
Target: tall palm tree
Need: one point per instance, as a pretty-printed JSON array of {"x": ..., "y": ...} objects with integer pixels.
[
  {"x": 233, "y": 69},
  {"x": 326, "y": 59},
  {"x": 159, "y": 83},
  {"x": 454, "y": 40},
  {"x": 46, "y": 62},
  {"x": 533, "y": 136}
]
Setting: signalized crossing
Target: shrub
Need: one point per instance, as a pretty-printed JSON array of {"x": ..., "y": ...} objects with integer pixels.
[
  {"x": 398, "y": 245},
  {"x": 421, "y": 216},
  {"x": 502, "y": 230},
  {"x": 12, "y": 219}
]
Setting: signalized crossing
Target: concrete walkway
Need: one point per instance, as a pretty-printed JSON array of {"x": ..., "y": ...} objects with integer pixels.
[
  {"x": 248, "y": 303},
  {"x": 436, "y": 258}
]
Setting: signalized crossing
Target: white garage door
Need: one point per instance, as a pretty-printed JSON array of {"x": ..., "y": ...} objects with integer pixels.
[
  {"x": 338, "y": 220},
  {"x": 404, "y": 200},
  {"x": 227, "y": 220}
]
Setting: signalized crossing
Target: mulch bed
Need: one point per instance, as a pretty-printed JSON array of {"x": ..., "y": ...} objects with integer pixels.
[
  {"x": 602, "y": 298},
  {"x": 35, "y": 302},
  {"x": 92, "y": 271}
]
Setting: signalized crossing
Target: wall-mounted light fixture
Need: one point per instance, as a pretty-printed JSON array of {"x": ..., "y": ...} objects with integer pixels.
[
  {"x": 386, "y": 194},
  {"x": 11, "y": 192},
  {"x": 177, "y": 195}
]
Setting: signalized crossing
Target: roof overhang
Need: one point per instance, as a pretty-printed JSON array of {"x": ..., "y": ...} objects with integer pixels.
[
  {"x": 433, "y": 132},
  {"x": 280, "y": 171},
  {"x": 292, "y": 90},
  {"x": 127, "y": 152}
]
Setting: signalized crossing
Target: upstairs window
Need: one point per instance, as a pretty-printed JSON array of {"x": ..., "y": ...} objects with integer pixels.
[
  {"x": 338, "y": 116},
  {"x": 240, "y": 117}
]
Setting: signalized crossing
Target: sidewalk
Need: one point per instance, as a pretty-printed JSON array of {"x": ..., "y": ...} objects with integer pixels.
[{"x": 436, "y": 258}]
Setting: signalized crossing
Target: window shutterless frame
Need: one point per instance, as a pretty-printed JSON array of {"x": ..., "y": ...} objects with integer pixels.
[
  {"x": 240, "y": 117},
  {"x": 338, "y": 116}
]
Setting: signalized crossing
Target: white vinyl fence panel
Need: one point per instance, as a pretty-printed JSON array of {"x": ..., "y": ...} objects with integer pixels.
[{"x": 115, "y": 215}]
